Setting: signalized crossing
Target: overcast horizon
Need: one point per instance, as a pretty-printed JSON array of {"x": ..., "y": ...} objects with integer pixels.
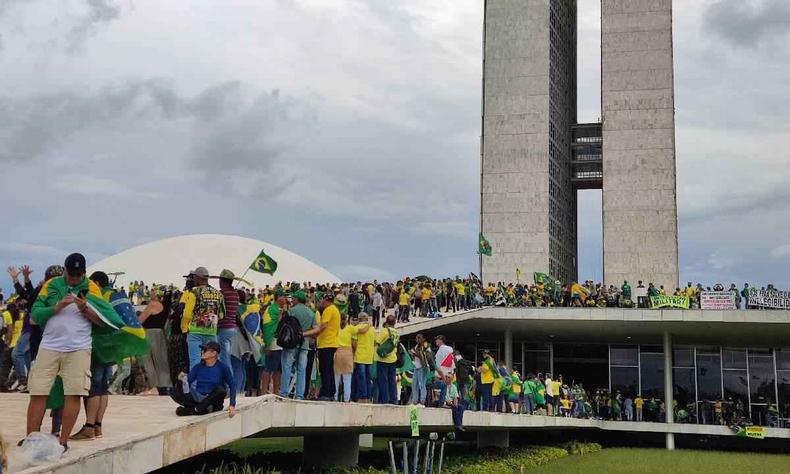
[{"x": 348, "y": 131}]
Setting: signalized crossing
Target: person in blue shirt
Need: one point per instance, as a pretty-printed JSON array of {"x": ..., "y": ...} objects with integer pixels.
[{"x": 205, "y": 392}]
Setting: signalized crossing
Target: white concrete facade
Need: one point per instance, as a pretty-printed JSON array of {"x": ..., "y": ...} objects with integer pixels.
[
  {"x": 163, "y": 438},
  {"x": 639, "y": 191}
]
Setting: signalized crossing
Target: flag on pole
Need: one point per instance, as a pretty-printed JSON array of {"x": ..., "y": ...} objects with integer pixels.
[
  {"x": 485, "y": 246},
  {"x": 264, "y": 264}
]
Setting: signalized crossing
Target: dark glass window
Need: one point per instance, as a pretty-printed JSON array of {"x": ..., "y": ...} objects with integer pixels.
[
  {"x": 683, "y": 357},
  {"x": 709, "y": 376},
  {"x": 783, "y": 383},
  {"x": 736, "y": 386},
  {"x": 783, "y": 359},
  {"x": 625, "y": 380},
  {"x": 733, "y": 358},
  {"x": 685, "y": 391},
  {"x": 624, "y": 355},
  {"x": 652, "y": 368},
  {"x": 761, "y": 377},
  {"x": 536, "y": 362}
]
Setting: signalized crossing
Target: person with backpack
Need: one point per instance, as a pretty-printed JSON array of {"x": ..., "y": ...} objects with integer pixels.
[
  {"x": 294, "y": 339},
  {"x": 387, "y": 341},
  {"x": 204, "y": 307}
]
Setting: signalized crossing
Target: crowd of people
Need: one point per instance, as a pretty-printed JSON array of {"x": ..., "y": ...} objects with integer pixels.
[{"x": 203, "y": 344}]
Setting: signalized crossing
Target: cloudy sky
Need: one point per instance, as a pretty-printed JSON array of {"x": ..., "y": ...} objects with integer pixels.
[{"x": 347, "y": 131}]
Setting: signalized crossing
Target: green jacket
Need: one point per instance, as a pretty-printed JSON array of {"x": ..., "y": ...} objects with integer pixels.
[{"x": 56, "y": 289}]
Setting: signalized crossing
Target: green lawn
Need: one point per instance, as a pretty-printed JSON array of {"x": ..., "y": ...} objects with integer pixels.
[{"x": 660, "y": 461}]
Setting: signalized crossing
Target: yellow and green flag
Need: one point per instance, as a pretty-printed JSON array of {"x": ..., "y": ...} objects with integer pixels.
[
  {"x": 264, "y": 264},
  {"x": 485, "y": 246}
]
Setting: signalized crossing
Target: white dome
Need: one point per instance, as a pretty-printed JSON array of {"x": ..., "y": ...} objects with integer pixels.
[{"x": 166, "y": 261}]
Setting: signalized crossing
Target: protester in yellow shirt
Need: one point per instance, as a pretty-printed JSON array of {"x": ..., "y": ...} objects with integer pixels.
[
  {"x": 387, "y": 341},
  {"x": 344, "y": 356},
  {"x": 363, "y": 359},
  {"x": 326, "y": 343}
]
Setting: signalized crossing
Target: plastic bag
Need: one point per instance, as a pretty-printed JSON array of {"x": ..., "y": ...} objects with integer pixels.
[{"x": 39, "y": 448}]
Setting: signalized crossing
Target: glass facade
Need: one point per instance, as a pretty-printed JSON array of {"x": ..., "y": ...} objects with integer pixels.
[{"x": 713, "y": 385}]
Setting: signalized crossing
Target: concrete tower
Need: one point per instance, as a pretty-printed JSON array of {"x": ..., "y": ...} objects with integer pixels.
[
  {"x": 638, "y": 108},
  {"x": 535, "y": 157},
  {"x": 529, "y": 107}
]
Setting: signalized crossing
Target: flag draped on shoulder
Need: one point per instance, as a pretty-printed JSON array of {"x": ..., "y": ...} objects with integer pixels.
[
  {"x": 122, "y": 338},
  {"x": 250, "y": 317},
  {"x": 264, "y": 264},
  {"x": 120, "y": 334},
  {"x": 485, "y": 246}
]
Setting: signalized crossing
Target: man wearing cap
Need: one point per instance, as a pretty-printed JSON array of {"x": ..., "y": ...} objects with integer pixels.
[
  {"x": 62, "y": 309},
  {"x": 227, "y": 330},
  {"x": 298, "y": 355},
  {"x": 205, "y": 385},
  {"x": 326, "y": 343},
  {"x": 204, "y": 307}
]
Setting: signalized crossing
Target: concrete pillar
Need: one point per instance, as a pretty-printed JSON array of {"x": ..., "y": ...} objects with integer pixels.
[
  {"x": 494, "y": 439},
  {"x": 331, "y": 450},
  {"x": 668, "y": 388},
  {"x": 509, "y": 349}
]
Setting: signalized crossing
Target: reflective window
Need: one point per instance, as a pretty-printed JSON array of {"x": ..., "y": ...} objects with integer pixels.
[
  {"x": 624, "y": 355},
  {"x": 652, "y": 370},
  {"x": 709, "y": 376},
  {"x": 761, "y": 377},
  {"x": 625, "y": 380},
  {"x": 733, "y": 358},
  {"x": 783, "y": 384},
  {"x": 683, "y": 357},
  {"x": 685, "y": 390},
  {"x": 783, "y": 359},
  {"x": 736, "y": 387}
]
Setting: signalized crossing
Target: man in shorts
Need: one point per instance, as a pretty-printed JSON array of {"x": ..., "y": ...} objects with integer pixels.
[{"x": 63, "y": 311}]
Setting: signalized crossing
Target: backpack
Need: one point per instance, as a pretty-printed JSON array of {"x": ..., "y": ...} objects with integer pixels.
[
  {"x": 386, "y": 347},
  {"x": 289, "y": 332},
  {"x": 464, "y": 368}
]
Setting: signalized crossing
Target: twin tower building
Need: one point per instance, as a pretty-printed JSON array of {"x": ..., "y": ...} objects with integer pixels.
[{"x": 535, "y": 156}]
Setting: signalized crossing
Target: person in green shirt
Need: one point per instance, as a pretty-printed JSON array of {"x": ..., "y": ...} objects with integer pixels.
[{"x": 529, "y": 388}]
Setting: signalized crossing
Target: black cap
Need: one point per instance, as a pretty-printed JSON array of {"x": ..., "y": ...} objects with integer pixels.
[
  {"x": 75, "y": 264},
  {"x": 211, "y": 345}
]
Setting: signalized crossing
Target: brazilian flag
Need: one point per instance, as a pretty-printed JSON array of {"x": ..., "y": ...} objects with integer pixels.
[
  {"x": 264, "y": 264},
  {"x": 485, "y": 246}
]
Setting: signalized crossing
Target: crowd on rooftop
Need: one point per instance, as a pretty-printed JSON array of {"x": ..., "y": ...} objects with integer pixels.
[{"x": 201, "y": 344}]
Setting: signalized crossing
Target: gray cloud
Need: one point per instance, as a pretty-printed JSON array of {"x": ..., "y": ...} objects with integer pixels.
[
  {"x": 232, "y": 131},
  {"x": 98, "y": 14},
  {"x": 747, "y": 23}
]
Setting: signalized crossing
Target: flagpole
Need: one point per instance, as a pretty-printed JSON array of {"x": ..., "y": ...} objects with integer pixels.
[{"x": 242, "y": 277}]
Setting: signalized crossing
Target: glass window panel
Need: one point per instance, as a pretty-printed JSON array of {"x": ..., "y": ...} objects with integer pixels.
[
  {"x": 652, "y": 375},
  {"x": 536, "y": 362},
  {"x": 683, "y": 357},
  {"x": 625, "y": 380},
  {"x": 733, "y": 358},
  {"x": 761, "y": 378},
  {"x": 783, "y": 359},
  {"x": 708, "y": 350},
  {"x": 709, "y": 377},
  {"x": 536, "y": 346},
  {"x": 736, "y": 388},
  {"x": 783, "y": 383},
  {"x": 624, "y": 355},
  {"x": 654, "y": 349},
  {"x": 685, "y": 391}
]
